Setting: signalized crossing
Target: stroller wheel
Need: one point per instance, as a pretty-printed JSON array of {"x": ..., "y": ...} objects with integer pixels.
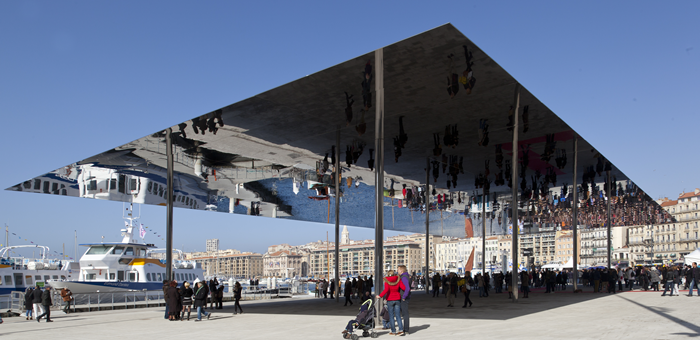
[
  {"x": 374, "y": 335},
  {"x": 346, "y": 336},
  {"x": 355, "y": 337},
  {"x": 365, "y": 334}
]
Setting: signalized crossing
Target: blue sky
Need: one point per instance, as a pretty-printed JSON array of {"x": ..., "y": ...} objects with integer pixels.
[{"x": 80, "y": 77}]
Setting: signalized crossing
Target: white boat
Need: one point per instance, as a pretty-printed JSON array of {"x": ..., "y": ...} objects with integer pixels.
[
  {"x": 18, "y": 273},
  {"x": 124, "y": 266}
]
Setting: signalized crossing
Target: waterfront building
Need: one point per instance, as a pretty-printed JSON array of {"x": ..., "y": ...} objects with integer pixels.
[
  {"x": 213, "y": 244},
  {"x": 358, "y": 259},
  {"x": 240, "y": 266}
]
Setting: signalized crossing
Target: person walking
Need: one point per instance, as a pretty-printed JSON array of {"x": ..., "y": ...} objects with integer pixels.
[
  {"x": 67, "y": 296},
  {"x": 392, "y": 285},
  {"x": 29, "y": 302},
  {"x": 695, "y": 279},
  {"x": 186, "y": 294},
  {"x": 237, "y": 298},
  {"x": 200, "y": 301},
  {"x": 452, "y": 292},
  {"x": 405, "y": 298},
  {"x": 212, "y": 292},
  {"x": 324, "y": 289},
  {"x": 467, "y": 289},
  {"x": 332, "y": 286},
  {"x": 220, "y": 297},
  {"x": 525, "y": 284},
  {"x": 654, "y": 278},
  {"x": 46, "y": 303},
  {"x": 436, "y": 284},
  {"x": 347, "y": 292},
  {"x": 36, "y": 302}
]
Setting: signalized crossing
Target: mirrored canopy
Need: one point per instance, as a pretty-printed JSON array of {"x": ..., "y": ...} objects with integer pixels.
[{"x": 447, "y": 104}]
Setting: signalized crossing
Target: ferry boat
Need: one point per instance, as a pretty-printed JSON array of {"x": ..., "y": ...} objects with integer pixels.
[
  {"x": 110, "y": 267},
  {"x": 18, "y": 273}
]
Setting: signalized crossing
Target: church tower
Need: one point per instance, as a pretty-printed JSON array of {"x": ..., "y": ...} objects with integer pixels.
[{"x": 345, "y": 236}]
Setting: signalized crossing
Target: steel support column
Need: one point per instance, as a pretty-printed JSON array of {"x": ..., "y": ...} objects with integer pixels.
[
  {"x": 169, "y": 206},
  {"x": 426, "y": 194},
  {"x": 514, "y": 202},
  {"x": 379, "y": 174},
  {"x": 337, "y": 215},
  {"x": 574, "y": 204}
]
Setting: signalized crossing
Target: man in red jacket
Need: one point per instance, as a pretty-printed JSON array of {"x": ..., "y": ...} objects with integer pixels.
[{"x": 392, "y": 284}]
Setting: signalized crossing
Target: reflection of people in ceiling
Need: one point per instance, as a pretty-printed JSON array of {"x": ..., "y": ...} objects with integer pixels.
[
  {"x": 452, "y": 78},
  {"x": 499, "y": 156},
  {"x": 182, "y": 127},
  {"x": 348, "y": 108},
  {"x": 525, "y": 158},
  {"x": 199, "y": 124},
  {"x": 333, "y": 155},
  {"x": 561, "y": 158},
  {"x": 468, "y": 79},
  {"x": 447, "y": 138},
  {"x": 403, "y": 137},
  {"x": 437, "y": 150},
  {"x": 436, "y": 170},
  {"x": 550, "y": 147},
  {"x": 526, "y": 118},
  {"x": 348, "y": 155},
  {"x": 362, "y": 127},
  {"x": 366, "y": 90},
  {"x": 397, "y": 149},
  {"x": 483, "y": 132},
  {"x": 370, "y": 162},
  {"x": 358, "y": 147}
]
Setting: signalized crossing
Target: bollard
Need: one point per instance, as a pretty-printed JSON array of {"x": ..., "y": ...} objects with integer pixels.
[{"x": 112, "y": 301}]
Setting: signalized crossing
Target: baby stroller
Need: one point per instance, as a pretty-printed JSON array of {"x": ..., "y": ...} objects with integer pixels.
[{"x": 363, "y": 321}]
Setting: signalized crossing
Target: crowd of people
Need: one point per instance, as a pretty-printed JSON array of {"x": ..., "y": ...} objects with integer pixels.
[{"x": 179, "y": 299}]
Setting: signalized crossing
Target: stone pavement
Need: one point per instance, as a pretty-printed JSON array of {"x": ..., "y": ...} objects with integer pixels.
[{"x": 562, "y": 315}]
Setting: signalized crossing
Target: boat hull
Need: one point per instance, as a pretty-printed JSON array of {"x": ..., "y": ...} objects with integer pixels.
[{"x": 85, "y": 287}]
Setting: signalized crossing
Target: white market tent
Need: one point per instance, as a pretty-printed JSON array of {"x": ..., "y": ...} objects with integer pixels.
[
  {"x": 556, "y": 266},
  {"x": 568, "y": 264},
  {"x": 693, "y": 257}
]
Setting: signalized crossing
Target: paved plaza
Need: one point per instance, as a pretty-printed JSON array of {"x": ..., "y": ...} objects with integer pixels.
[{"x": 562, "y": 315}]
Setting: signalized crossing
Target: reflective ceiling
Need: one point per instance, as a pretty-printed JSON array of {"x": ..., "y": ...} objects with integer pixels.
[{"x": 445, "y": 100}]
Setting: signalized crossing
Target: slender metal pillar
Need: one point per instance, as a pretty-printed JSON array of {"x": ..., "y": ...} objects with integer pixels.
[
  {"x": 337, "y": 214},
  {"x": 483, "y": 232},
  {"x": 379, "y": 175},
  {"x": 426, "y": 193},
  {"x": 514, "y": 203},
  {"x": 574, "y": 204},
  {"x": 169, "y": 205},
  {"x": 609, "y": 180}
]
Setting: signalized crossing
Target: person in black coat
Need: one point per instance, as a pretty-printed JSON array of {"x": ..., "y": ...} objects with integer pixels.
[
  {"x": 200, "y": 300},
  {"x": 46, "y": 303},
  {"x": 237, "y": 297},
  {"x": 29, "y": 302},
  {"x": 695, "y": 279},
  {"x": 173, "y": 301},
  {"x": 347, "y": 292},
  {"x": 36, "y": 302}
]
